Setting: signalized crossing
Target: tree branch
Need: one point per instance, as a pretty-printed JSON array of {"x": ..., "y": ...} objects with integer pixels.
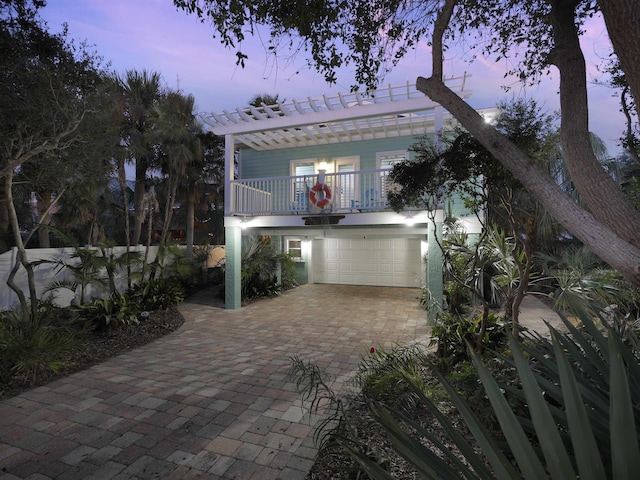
[
  {"x": 620, "y": 254},
  {"x": 439, "y": 28}
]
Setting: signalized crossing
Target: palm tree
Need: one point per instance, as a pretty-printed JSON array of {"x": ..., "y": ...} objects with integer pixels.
[
  {"x": 141, "y": 94},
  {"x": 203, "y": 183},
  {"x": 177, "y": 133}
]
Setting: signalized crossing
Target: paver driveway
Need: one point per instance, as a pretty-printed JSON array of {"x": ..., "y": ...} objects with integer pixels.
[{"x": 212, "y": 400}]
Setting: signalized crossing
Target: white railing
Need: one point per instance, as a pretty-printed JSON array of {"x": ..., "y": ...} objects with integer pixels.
[{"x": 350, "y": 192}]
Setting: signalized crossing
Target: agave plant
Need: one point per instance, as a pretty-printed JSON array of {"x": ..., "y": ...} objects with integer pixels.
[{"x": 582, "y": 390}]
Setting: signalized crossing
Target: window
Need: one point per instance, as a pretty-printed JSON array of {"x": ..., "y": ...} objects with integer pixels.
[
  {"x": 386, "y": 161},
  {"x": 304, "y": 171},
  {"x": 294, "y": 249}
]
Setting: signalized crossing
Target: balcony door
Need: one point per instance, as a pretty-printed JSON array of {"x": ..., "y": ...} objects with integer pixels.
[
  {"x": 346, "y": 187},
  {"x": 304, "y": 173}
]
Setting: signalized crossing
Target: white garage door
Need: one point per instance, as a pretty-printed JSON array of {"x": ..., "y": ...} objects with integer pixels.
[{"x": 363, "y": 261}]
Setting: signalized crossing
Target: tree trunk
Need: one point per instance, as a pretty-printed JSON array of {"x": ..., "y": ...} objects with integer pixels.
[
  {"x": 4, "y": 219},
  {"x": 22, "y": 258},
  {"x": 191, "y": 216},
  {"x": 122, "y": 181},
  {"x": 610, "y": 247},
  {"x": 43, "y": 205},
  {"x": 138, "y": 200},
  {"x": 603, "y": 197},
  {"x": 622, "y": 18}
]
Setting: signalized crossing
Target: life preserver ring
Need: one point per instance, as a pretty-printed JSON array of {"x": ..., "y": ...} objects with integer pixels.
[{"x": 320, "y": 195}]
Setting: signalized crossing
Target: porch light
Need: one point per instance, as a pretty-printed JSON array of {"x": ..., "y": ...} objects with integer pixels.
[
  {"x": 323, "y": 166},
  {"x": 409, "y": 218},
  {"x": 244, "y": 222}
]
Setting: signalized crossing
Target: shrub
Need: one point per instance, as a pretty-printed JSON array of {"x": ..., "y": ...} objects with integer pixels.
[
  {"x": 288, "y": 272},
  {"x": 452, "y": 332},
  {"x": 383, "y": 374},
  {"x": 158, "y": 294},
  {"x": 33, "y": 348},
  {"x": 109, "y": 312},
  {"x": 260, "y": 262}
]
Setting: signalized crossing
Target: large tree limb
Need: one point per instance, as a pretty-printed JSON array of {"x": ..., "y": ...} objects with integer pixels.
[
  {"x": 603, "y": 197},
  {"x": 620, "y": 254},
  {"x": 622, "y": 18}
]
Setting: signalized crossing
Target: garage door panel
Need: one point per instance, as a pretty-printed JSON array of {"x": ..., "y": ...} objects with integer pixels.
[
  {"x": 371, "y": 268},
  {"x": 370, "y": 261},
  {"x": 385, "y": 267},
  {"x": 385, "y": 255}
]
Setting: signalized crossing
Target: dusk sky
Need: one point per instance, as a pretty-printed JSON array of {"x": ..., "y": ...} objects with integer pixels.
[{"x": 154, "y": 35}]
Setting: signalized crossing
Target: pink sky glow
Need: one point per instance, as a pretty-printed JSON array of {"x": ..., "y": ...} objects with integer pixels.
[{"x": 154, "y": 35}]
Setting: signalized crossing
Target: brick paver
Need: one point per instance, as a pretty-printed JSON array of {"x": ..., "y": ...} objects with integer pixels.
[{"x": 212, "y": 400}]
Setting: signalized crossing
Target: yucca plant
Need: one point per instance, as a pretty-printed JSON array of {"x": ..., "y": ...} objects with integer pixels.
[
  {"x": 382, "y": 374},
  {"x": 109, "y": 312},
  {"x": 157, "y": 294},
  {"x": 34, "y": 347},
  {"x": 583, "y": 393}
]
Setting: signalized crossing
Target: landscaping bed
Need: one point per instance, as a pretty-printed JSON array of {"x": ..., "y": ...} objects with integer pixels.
[{"x": 93, "y": 348}]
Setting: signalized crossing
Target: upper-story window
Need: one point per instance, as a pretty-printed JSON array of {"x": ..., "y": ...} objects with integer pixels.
[
  {"x": 303, "y": 171},
  {"x": 386, "y": 161}
]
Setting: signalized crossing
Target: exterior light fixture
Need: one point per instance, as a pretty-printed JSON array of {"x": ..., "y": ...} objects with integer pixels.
[{"x": 409, "y": 218}]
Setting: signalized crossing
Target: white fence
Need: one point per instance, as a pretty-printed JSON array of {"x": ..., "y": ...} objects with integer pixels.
[{"x": 47, "y": 273}]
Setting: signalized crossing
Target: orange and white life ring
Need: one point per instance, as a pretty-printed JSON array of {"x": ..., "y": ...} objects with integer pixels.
[{"x": 320, "y": 195}]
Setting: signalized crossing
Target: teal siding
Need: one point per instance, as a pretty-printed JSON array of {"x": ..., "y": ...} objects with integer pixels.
[{"x": 276, "y": 163}]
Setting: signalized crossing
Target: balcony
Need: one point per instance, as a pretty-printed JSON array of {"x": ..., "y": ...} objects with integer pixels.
[{"x": 351, "y": 192}]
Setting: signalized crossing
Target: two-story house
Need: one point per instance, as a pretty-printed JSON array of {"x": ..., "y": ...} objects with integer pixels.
[{"x": 313, "y": 175}]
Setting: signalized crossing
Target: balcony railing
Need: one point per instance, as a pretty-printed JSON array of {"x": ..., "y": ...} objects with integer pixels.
[{"x": 350, "y": 192}]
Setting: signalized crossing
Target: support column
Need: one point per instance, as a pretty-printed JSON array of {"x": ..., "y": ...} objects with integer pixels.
[
  {"x": 306, "y": 258},
  {"x": 233, "y": 276},
  {"x": 434, "y": 271},
  {"x": 276, "y": 241}
]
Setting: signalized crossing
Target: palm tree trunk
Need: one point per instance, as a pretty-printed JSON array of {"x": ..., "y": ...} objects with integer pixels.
[
  {"x": 191, "y": 214},
  {"x": 138, "y": 200},
  {"x": 122, "y": 180}
]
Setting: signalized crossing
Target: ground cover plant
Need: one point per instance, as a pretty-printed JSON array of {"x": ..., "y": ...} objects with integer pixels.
[{"x": 35, "y": 354}]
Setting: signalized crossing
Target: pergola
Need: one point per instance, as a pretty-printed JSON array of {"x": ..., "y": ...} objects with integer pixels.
[{"x": 391, "y": 111}]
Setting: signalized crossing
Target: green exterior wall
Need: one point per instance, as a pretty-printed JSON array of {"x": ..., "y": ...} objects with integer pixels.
[{"x": 277, "y": 163}]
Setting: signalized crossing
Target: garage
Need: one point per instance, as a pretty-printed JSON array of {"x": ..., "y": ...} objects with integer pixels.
[{"x": 392, "y": 262}]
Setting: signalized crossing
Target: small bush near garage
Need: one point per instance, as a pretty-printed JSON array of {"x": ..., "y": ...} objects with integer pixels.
[{"x": 261, "y": 261}]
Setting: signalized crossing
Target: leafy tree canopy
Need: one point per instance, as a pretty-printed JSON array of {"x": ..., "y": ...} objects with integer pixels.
[
  {"x": 374, "y": 35},
  {"x": 459, "y": 163}
]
